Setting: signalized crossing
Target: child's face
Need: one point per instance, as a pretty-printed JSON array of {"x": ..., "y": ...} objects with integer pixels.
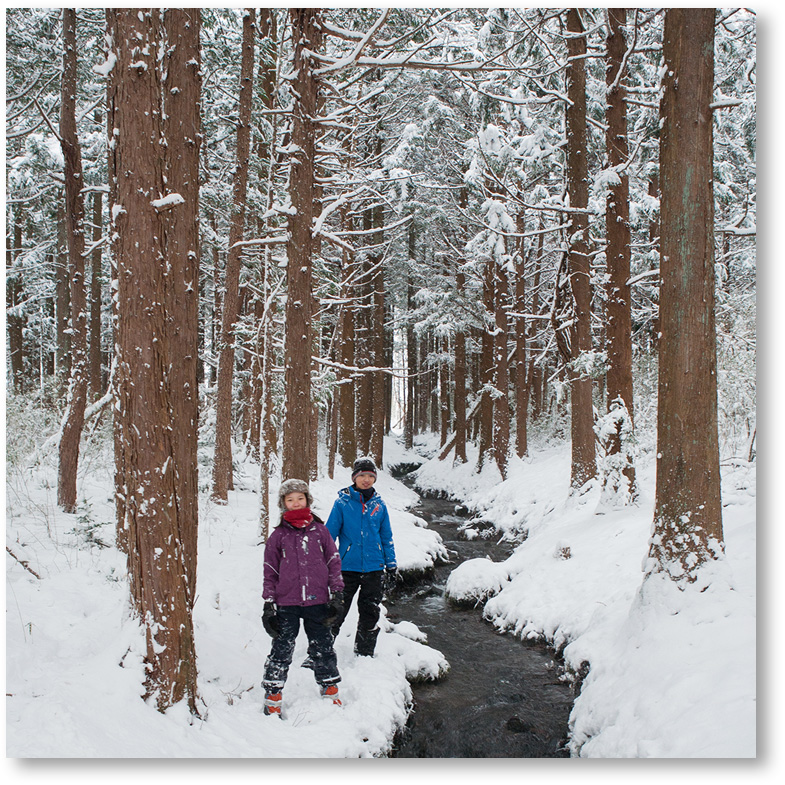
[
  {"x": 295, "y": 500},
  {"x": 365, "y": 480}
]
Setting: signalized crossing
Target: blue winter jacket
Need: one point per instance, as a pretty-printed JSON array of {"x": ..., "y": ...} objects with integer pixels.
[{"x": 362, "y": 531}]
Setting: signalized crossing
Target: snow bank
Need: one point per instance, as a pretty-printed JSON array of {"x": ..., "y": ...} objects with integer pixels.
[
  {"x": 670, "y": 673},
  {"x": 75, "y": 658}
]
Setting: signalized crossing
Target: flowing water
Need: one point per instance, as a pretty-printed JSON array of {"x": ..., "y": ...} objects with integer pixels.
[{"x": 502, "y": 697}]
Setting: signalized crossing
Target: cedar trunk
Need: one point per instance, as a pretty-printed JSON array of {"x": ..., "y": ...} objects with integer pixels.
[
  {"x": 14, "y": 295},
  {"x": 156, "y": 334},
  {"x": 222, "y": 463},
  {"x": 95, "y": 299},
  {"x": 501, "y": 404},
  {"x": 688, "y": 510},
  {"x": 74, "y": 222},
  {"x": 306, "y": 36},
  {"x": 618, "y": 325},
  {"x": 584, "y": 466},
  {"x": 459, "y": 401},
  {"x": 521, "y": 376},
  {"x": 182, "y": 130}
]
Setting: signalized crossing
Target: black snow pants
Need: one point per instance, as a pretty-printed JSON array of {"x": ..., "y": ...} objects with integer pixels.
[
  {"x": 368, "y": 601},
  {"x": 320, "y": 646}
]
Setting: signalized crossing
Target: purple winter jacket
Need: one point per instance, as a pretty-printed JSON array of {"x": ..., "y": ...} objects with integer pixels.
[{"x": 301, "y": 566}]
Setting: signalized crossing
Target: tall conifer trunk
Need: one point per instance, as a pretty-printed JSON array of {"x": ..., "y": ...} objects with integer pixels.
[
  {"x": 618, "y": 325},
  {"x": 222, "y": 463},
  {"x": 156, "y": 339},
  {"x": 522, "y": 381},
  {"x": 74, "y": 220},
  {"x": 297, "y": 425},
  {"x": 584, "y": 466},
  {"x": 95, "y": 299},
  {"x": 688, "y": 509}
]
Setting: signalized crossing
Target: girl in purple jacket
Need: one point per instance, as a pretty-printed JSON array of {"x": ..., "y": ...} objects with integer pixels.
[{"x": 302, "y": 580}]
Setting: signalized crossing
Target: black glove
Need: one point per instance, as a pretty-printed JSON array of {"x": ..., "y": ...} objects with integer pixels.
[
  {"x": 389, "y": 579},
  {"x": 335, "y": 610},
  {"x": 270, "y": 619}
]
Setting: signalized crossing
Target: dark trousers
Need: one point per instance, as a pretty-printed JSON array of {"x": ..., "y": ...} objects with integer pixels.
[
  {"x": 320, "y": 646},
  {"x": 369, "y": 598}
]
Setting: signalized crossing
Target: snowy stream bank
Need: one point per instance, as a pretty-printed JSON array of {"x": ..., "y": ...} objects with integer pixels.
[{"x": 502, "y": 697}]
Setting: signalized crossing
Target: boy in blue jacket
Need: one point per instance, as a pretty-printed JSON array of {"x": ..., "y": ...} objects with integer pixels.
[{"x": 360, "y": 524}]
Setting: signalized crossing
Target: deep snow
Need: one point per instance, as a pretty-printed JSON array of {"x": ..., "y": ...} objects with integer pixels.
[{"x": 672, "y": 674}]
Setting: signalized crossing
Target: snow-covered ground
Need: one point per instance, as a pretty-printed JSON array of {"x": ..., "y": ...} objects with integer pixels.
[
  {"x": 74, "y": 658},
  {"x": 671, "y": 674}
]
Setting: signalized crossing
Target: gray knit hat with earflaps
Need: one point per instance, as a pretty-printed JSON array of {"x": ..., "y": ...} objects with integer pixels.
[{"x": 293, "y": 486}]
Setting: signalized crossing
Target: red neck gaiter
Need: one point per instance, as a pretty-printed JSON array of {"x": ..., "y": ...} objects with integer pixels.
[{"x": 298, "y": 518}]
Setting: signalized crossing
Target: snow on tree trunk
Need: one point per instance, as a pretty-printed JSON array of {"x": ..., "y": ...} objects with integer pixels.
[
  {"x": 222, "y": 461},
  {"x": 74, "y": 221},
  {"x": 688, "y": 510},
  {"x": 153, "y": 410}
]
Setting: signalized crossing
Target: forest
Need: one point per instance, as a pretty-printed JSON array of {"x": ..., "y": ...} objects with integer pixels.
[{"x": 288, "y": 234}]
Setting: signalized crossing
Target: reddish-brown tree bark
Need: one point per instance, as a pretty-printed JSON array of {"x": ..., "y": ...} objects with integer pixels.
[
  {"x": 222, "y": 460},
  {"x": 182, "y": 130},
  {"x": 153, "y": 410},
  {"x": 62, "y": 302},
  {"x": 74, "y": 220},
  {"x": 618, "y": 325},
  {"x": 295, "y": 459},
  {"x": 584, "y": 465},
  {"x": 501, "y": 403},
  {"x": 96, "y": 278},
  {"x": 521, "y": 365},
  {"x": 14, "y": 294},
  {"x": 688, "y": 509}
]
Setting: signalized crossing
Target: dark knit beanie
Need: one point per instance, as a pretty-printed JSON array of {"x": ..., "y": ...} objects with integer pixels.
[
  {"x": 293, "y": 486},
  {"x": 363, "y": 465}
]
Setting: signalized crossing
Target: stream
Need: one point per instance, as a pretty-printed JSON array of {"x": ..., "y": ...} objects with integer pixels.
[{"x": 502, "y": 697}]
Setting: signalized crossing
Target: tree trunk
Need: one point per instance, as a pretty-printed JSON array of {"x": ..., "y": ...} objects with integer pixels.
[
  {"x": 269, "y": 435},
  {"x": 487, "y": 356},
  {"x": 96, "y": 386},
  {"x": 377, "y": 338},
  {"x": 347, "y": 435},
  {"x": 688, "y": 511},
  {"x": 152, "y": 340},
  {"x": 14, "y": 290},
  {"x": 459, "y": 401},
  {"x": 182, "y": 130},
  {"x": 222, "y": 463},
  {"x": 410, "y": 417},
  {"x": 74, "y": 220},
  {"x": 501, "y": 403},
  {"x": 618, "y": 325},
  {"x": 306, "y": 37},
  {"x": 584, "y": 466},
  {"x": 444, "y": 391},
  {"x": 521, "y": 365},
  {"x": 62, "y": 302}
]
